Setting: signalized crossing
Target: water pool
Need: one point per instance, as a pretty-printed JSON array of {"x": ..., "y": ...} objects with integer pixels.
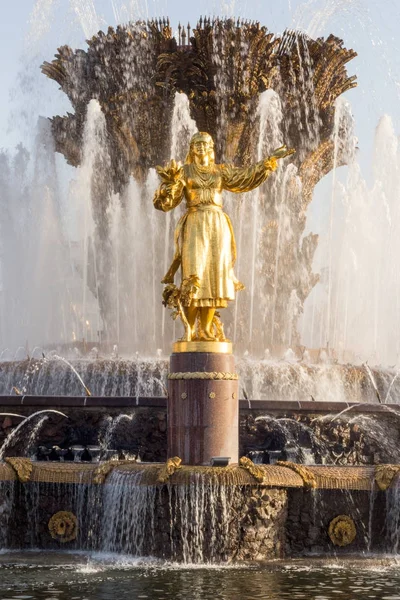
[{"x": 68, "y": 576}]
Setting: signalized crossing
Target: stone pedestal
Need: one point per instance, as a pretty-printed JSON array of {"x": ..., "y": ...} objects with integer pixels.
[{"x": 203, "y": 407}]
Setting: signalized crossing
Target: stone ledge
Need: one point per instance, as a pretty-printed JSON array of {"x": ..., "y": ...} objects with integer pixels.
[
  {"x": 161, "y": 402},
  {"x": 275, "y": 476}
]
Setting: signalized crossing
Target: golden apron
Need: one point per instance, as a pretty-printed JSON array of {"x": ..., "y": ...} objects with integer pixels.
[{"x": 205, "y": 243}]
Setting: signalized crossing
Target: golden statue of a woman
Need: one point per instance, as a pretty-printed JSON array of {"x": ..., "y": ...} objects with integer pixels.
[{"x": 204, "y": 241}]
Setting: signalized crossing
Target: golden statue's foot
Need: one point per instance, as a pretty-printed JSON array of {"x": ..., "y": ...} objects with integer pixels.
[
  {"x": 188, "y": 336},
  {"x": 207, "y": 336}
]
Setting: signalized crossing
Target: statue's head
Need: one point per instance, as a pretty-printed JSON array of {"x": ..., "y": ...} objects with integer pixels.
[{"x": 200, "y": 144}]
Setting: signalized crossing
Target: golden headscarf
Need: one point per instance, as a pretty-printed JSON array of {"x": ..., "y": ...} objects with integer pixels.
[{"x": 201, "y": 136}]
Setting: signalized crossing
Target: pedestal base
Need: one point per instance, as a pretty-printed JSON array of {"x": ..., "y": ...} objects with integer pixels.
[
  {"x": 203, "y": 407},
  {"x": 213, "y": 347}
]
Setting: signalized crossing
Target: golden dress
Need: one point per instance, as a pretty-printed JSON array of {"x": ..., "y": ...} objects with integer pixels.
[{"x": 204, "y": 240}]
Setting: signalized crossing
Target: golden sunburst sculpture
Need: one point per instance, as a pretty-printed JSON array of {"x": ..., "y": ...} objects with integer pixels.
[
  {"x": 342, "y": 530},
  {"x": 63, "y": 526}
]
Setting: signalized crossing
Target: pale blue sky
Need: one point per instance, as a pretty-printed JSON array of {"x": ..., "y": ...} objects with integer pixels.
[{"x": 30, "y": 32}]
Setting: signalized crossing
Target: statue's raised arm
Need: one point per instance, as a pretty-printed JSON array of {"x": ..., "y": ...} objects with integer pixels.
[
  {"x": 245, "y": 179},
  {"x": 205, "y": 247}
]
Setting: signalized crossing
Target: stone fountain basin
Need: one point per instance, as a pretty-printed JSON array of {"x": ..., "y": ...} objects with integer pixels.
[{"x": 199, "y": 514}]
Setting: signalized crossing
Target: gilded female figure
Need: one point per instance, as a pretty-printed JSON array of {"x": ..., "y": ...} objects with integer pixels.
[{"x": 204, "y": 241}]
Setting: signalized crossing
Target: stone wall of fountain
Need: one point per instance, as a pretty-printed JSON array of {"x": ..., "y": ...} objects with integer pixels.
[
  {"x": 310, "y": 513},
  {"x": 191, "y": 524},
  {"x": 304, "y": 433}
]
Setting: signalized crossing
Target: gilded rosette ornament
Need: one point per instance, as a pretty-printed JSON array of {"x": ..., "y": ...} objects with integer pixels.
[
  {"x": 342, "y": 530},
  {"x": 63, "y": 526},
  {"x": 205, "y": 249}
]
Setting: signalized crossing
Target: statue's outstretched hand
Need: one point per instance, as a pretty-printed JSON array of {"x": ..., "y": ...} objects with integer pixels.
[
  {"x": 171, "y": 173},
  {"x": 282, "y": 152}
]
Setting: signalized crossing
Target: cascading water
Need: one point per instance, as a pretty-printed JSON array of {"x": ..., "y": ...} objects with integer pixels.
[
  {"x": 249, "y": 218},
  {"x": 363, "y": 237},
  {"x": 191, "y": 523},
  {"x": 392, "y": 541},
  {"x": 34, "y": 253},
  {"x": 7, "y": 490},
  {"x": 202, "y": 517},
  {"x": 95, "y": 261},
  {"x": 260, "y": 379},
  {"x": 131, "y": 508},
  {"x": 132, "y": 242},
  {"x": 42, "y": 255},
  {"x": 263, "y": 379}
]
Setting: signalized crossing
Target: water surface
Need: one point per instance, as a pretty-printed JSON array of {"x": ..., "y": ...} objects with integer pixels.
[{"x": 66, "y": 576}]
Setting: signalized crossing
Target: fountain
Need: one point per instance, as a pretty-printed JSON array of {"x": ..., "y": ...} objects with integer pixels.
[
  {"x": 321, "y": 481},
  {"x": 250, "y": 90}
]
